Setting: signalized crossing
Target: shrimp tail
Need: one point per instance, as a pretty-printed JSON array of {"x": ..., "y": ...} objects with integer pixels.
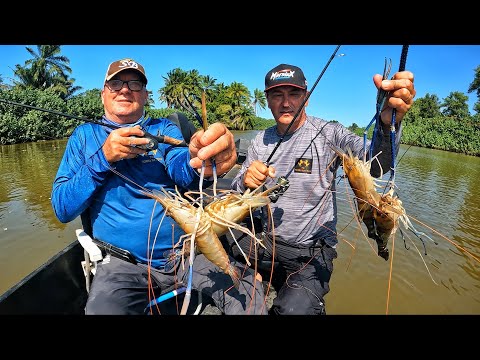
[
  {"x": 380, "y": 238},
  {"x": 366, "y": 213},
  {"x": 234, "y": 273},
  {"x": 382, "y": 246},
  {"x": 382, "y": 233}
]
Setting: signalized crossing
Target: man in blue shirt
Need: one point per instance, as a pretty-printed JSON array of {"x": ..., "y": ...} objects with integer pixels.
[{"x": 104, "y": 174}]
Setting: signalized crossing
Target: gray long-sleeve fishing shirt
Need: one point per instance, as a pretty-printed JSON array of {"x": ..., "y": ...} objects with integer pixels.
[{"x": 307, "y": 211}]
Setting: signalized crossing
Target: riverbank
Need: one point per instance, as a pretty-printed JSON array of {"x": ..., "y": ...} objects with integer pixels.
[{"x": 437, "y": 188}]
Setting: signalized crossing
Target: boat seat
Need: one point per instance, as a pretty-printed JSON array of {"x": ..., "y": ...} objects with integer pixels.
[{"x": 93, "y": 254}]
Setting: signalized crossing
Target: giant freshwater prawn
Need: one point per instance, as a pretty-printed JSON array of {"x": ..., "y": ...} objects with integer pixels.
[
  {"x": 374, "y": 206},
  {"x": 202, "y": 224},
  {"x": 379, "y": 208}
]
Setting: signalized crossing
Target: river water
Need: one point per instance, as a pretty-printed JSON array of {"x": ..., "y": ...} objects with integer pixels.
[{"x": 440, "y": 192}]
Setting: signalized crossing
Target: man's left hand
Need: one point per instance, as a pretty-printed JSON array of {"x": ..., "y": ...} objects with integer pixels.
[
  {"x": 218, "y": 143},
  {"x": 400, "y": 97}
]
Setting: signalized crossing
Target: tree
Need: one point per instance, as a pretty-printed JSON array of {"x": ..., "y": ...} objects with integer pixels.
[
  {"x": 46, "y": 70},
  {"x": 259, "y": 100},
  {"x": 3, "y": 86},
  {"x": 475, "y": 86},
  {"x": 428, "y": 106},
  {"x": 150, "y": 100},
  {"x": 358, "y": 130},
  {"x": 238, "y": 93},
  {"x": 86, "y": 105},
  {"x": 71, "y": 89},
  {"x": 178, "y": 83},
  {"x": 456, "y": 105}
]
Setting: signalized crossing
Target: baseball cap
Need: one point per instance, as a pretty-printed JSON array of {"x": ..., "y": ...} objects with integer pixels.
[
  {"x": 125, "y": 64},
  {"x": 285, "y": 74}
]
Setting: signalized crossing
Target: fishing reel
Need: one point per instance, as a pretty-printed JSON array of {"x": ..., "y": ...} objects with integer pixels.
[
  {"x": 283, "y": 185},
  {"x": 152, "y": 144}
]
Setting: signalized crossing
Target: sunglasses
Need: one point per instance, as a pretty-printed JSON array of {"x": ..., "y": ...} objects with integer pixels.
[{"x": 133, "y": 85}]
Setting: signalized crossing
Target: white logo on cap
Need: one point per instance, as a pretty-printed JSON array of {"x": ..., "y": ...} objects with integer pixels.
[
  {"x": 282, "y": 74},
  {"x": 128, "y": 63}
]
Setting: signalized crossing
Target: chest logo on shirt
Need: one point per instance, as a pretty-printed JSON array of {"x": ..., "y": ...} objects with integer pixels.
[{"x": 303, "y": 165}]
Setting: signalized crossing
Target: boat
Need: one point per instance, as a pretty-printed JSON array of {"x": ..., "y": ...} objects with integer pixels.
[{"x": 60, "y": 285}]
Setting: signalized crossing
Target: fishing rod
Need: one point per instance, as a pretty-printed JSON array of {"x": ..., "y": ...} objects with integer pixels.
[
  {"x": 204, "y": 123},
  {"x": 191, "y": 109},
  {"x": 301, "y": 106},
  {"x": 282, "y": 181},
  {"x": 153, "y": 140},
  {"x": 401, "y": 67}
]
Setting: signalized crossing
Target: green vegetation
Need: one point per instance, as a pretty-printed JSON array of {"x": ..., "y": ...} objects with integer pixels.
[{"x": 44, "y": 81}]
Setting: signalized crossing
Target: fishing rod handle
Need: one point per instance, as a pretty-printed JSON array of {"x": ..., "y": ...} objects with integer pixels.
[
  {"x": 172, "y": 141},
  {"x": 403, "y": 58},
  {"x": 153, "y": 141}
]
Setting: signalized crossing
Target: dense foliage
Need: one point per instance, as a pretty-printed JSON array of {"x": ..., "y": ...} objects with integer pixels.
[{"x": 44, "y": 82}]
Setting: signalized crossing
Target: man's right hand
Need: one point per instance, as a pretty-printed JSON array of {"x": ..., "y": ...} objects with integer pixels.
[
  {"x": 120, "y": 144},
  {"x": 257, "y": 173}
]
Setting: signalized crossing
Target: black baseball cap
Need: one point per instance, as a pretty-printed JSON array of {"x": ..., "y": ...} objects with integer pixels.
[{"x": 285, "y": 74}]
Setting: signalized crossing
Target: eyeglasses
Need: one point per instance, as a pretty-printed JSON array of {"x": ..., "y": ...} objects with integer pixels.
[{"x": 117, "y": 85}]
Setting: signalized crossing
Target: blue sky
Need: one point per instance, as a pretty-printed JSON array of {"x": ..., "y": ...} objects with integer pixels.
[{"x": 345, "y": 92}]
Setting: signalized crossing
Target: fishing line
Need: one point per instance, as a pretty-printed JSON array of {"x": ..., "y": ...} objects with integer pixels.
[
  {"x": 381, "y": 98},
  {"x": 282, "y": 181},
  {"x": 301, "y": 106},
  {"x": 152, "y": 145},
  {"x": 401, "y": 67},
  {"x": 153, "y": 140},
  {"x": 191, "y": 109},
  {"x": 204, "y": 122}
]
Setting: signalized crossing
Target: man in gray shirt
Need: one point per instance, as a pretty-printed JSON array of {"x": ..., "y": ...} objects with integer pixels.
[{"x": 303, "y": 239}]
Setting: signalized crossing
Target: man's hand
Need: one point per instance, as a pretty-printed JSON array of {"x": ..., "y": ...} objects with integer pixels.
[
  {"x": 218, "y": 143},
  {"x": 120, "y": 144},
  {"x": 400, "y": 97},
  {"x": 257, "y": 173}
]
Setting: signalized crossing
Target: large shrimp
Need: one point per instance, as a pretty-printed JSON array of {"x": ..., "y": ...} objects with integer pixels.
[
  {"x": 227, "y": 211},
  {"x": 380, "y": 213},
  {"x": 233, "y": 208},
  {"x": 187, "y": 216}
]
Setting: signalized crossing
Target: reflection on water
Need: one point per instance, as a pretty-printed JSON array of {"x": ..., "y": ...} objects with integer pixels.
[
  {"x": 29, "y": 231},
  {"x": 439, "y": 190}
]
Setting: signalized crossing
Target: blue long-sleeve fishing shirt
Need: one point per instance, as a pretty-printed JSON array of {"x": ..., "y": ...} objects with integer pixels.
[{"x": 121, "y": 215}]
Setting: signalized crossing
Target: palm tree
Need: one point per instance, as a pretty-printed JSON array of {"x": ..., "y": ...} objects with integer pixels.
[
  {"x": 238, "y": 93},
  {"x": 475, "y": 86},
  {"x": 209, "y": 89},
  {"x": 177, "y": 83},
  {"x": 208, "y": 84},
  {"x": 259, "y": 100},
  {"x": 2, "y": 84},
  {"x": 47, "y": 69},
  {"x": 71, "y": 89},
  {"x": 150, "y": 101}
]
